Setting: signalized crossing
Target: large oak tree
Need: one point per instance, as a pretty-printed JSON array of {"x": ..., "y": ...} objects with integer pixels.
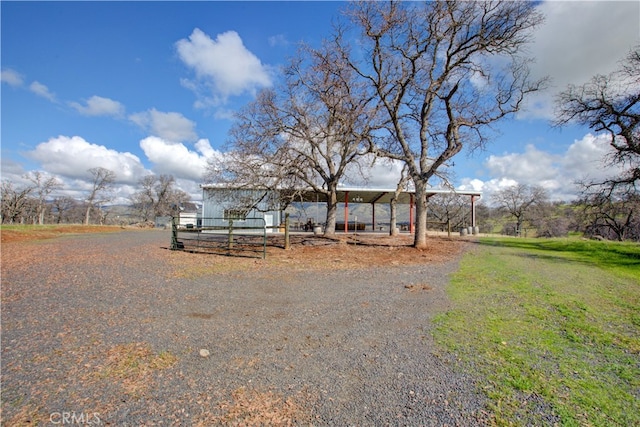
[{"x": 441, "y": 73}]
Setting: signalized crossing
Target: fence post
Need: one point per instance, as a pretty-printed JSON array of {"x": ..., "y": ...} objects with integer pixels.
[
  {"x": 287, "y": 243},
  {"x": 264, "y": 239},
  {"x": 230, "y": 234},
  {"x": 174, "y": 233}
]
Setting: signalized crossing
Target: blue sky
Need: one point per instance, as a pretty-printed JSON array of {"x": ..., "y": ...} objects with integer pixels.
[{"x": 149, "y": 87}]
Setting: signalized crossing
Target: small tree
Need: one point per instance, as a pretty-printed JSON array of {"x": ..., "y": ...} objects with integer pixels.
[
  {"x": 450, "y": 208},
  {"x": 613, "y": 216},
  {"x": 157, "y": 196},
  {"x": 102, "y": 179},
  {"x": 519, "y": 201},
  {"x": 552, "y": 219},
  {"x": 63, "y": 207},
  {"x": 43, "y": 186}
]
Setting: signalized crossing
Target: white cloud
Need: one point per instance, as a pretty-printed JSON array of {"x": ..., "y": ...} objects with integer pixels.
[
  {"x": 42, "y": 90},
  {"x": 177, "y": 159},
  {"x": 471, "y": 184},
  {"x": 373, "y": 172},
  {"x": 203, "y": 146},
  {"x": 99, "y": 106},
  {"x": 224, "y": 67},
  {"x": 586, "y": 158},
  {"x": 172, "y": 127},
  {"x": 487, "y": 187},
  {"x": 72, "y": 157},
  {"x": 224, "y": 114},
  {"x": 12, "y": 171},
  {"x": 11, "y": 77},
  {"x": 557, "y": 173},
  {"x": 278, "y": 40},
  {"x": 531, "y": 166},
  {"x": 578, "y": 40}
]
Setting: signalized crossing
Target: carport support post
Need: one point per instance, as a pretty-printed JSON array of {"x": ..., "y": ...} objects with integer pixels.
[
  {"x": 473, "y": 211},
  {"x": 373, "y": 216}
]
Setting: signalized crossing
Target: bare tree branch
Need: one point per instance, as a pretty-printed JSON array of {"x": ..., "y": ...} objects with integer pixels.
[
  {"x": 610, "y": 104},
  {"x": 304, "y": 134}
]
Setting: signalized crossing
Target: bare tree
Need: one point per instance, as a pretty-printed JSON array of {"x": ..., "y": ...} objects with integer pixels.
[
  {"x": 450, "y": 208},
  {"x": 62, "y": 207},
  {"x": 14, "y": 202},
  {"x": 43, "y": 186},
  {"x": 102, "y": 179},
  {"x": 610, "y": 104},
  {"x": 143, "y": 201},
  {"x": 304, "y": 134},
  {"x": 442, "y": 73},
  {"x": 613, "y": 215},
  {"x": 157, "y": 195},
  {"x": 519, "y": 200},
  {"x": 551, "y": 219}
]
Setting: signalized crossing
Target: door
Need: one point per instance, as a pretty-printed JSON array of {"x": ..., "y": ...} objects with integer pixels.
[{"x": 268, "y": 222}]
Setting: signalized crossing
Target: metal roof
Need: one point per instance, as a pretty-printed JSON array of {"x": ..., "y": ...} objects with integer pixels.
[
  {"x": 377, "y": 195},
  {"x": 363, "y": 194}
]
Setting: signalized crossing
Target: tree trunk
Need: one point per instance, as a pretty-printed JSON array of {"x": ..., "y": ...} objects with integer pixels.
[
  {"x": 393, "y": 217},
  {"x": 332, "y": 210},
  {"x": 420, "y": 237},
  {"x": 86, "y": 215}
]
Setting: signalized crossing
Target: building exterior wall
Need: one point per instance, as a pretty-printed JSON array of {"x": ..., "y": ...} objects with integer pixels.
[
  {"x": 188, "y": 218},
  {"x": 220, "y": 205}
]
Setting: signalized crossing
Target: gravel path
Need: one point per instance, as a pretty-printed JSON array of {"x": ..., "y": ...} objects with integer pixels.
[{"x": 109, "y": 329}]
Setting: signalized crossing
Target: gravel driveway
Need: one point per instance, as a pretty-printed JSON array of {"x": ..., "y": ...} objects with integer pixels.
[{"x": 109, "y": 329}]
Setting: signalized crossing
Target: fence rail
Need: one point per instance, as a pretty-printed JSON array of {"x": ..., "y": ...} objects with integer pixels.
[{"x": 247, "y": 237}]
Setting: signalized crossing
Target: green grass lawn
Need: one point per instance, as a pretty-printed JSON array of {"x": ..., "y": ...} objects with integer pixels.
[{"x": 551, "y": 328}]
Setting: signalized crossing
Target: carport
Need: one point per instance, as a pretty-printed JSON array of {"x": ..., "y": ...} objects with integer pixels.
[{"x": 375, "y": 196}]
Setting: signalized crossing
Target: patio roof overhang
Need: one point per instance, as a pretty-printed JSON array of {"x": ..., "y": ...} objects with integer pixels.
[{"x": 375, "y": 195}]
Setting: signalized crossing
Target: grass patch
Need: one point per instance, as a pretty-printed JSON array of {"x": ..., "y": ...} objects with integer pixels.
[
  {"x": 552, "y": 327},
  {"x": 250, "y": 407},
  {"x": 27, "y": 232},
  {"x": 133, "y": 364}
]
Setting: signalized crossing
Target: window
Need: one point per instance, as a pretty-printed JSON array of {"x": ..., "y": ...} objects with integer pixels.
[{"x": 235, "y": 214}]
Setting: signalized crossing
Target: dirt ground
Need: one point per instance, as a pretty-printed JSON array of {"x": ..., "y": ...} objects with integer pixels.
[
  {"x": 330, "y": 332},
  {"x": 307, "y": 251},
  {"x": 31, "y": 233}
]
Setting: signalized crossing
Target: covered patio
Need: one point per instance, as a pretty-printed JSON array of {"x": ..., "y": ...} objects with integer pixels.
[{"x": 374, "y": 196}]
